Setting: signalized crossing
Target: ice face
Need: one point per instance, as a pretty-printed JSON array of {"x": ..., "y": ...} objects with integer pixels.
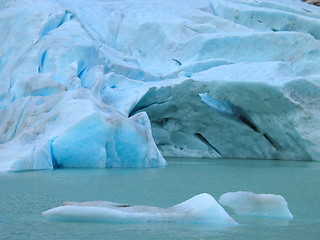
[
  {"x": 73, "y": 129},
  {"x": 202, "y": 208},
  {"x": 252, "y": 204},
  {"x": 76, "y": 79}
]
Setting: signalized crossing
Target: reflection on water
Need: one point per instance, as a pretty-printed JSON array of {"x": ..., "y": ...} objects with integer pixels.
[{"x": 25, "y": 195}]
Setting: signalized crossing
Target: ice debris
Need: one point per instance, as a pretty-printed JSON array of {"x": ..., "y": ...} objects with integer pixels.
[
  {"x": 202, "y": 208},
  {"x": 252, "y": 204}
]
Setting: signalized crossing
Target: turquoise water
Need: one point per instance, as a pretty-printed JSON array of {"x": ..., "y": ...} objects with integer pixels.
[{"x": 25, "y": 195}]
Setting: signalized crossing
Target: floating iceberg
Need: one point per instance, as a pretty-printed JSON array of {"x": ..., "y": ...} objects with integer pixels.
[
  {"x": 202, "y": 208},
  {"x": 77, "y": 77},
  {"x": 252, "y": 204}
]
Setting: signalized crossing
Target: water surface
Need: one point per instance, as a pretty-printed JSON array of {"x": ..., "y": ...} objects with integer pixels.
[{"x": 25, "y": 195}]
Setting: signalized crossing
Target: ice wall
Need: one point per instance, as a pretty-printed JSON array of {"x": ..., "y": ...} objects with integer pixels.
[
  {"x": 76, "y": 77},
  {"x": 73, "y": 129}
]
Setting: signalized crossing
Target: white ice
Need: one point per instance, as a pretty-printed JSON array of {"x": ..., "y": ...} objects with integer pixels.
[
  {"x": 202, "y": 208},
  {"x": 252, "y": 204},
  {"x": 74, "y": 129},
  {"x": 107, "y": 83}
]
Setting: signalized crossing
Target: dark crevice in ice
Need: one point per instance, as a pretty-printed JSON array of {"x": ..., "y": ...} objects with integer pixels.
[
  {"x": 205, "y": 141},
  {"x": 245, "y": 120},
  {"x": 80, "y": 74},
  {"x": 52, "y": 24},
  {"x": 55, "y": 164},
  {"x": 228, "y": 110},
  {"x": 177, "y": 61},
  {"x": 272, "y": 142},
  {"x": 306, "y": 10},
  {"x": 137, "y": 108},
  {"x": 212, "y": 9},
  {"x": 192, "y": 29},
  {"x": 43, "y": 57},
  {"x": 19, "y": 120},
  {"x": 67, "y": 16}
]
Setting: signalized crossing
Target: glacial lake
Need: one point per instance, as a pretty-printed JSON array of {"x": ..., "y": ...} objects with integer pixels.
[{"x": 25, "y": 195}]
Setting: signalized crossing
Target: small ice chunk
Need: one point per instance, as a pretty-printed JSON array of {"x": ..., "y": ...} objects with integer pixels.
[
  {"x": 202, "y": 208},
  {"x": 252, "y": 204}
]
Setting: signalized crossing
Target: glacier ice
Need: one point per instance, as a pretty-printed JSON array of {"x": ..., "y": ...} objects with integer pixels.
[
  {"x": 112, "y": 84},
  {"x": 252, "y": 204},
  {"x": 74, "y": 129},
  {"x": 202, "y": 208}
]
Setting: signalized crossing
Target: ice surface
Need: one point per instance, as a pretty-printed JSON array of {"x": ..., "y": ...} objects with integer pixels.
[
  {"x": 252, "y": 204},
  {"x": 202, "y": 208},
  {"x": 73, "y": 129},
  {"x": 77, "y": 77}
]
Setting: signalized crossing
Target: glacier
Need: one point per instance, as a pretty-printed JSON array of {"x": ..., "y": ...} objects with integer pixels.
[
  {"x": 123, "y": 83},
  {"x": 253, "y": 204},
  {"x": 73, "y": 129},
  {"x": 202, "y": 208}
]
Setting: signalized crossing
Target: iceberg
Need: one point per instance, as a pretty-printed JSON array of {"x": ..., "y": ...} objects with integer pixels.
[
  {"x": 252, "y": 204},
  {"x": 121, "y": 84},
  {"x": 201, "y": 209}
]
